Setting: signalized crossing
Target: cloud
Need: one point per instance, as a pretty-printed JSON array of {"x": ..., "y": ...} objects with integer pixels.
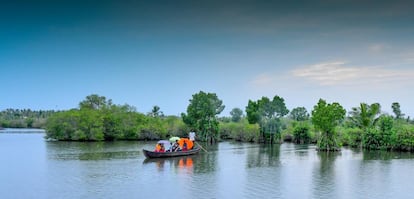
[
  {"x": 262, "y": 79},
  {"x": 376, "y": 48},
  {"x": 407, "y": 57},
  {"x": 338, "y": 73}
]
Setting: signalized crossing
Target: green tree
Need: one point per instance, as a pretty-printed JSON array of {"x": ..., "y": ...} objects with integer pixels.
[
  {"x": 325, "y": 117},
  {"x": 267, "y": 114},
  {"x": 62, "y": 125},
  {"x": 240, "y": 131},
  {"x": 253, "y": 112},
  {"x": 202, "y": 115},
  {"x": 397, "y": 110},
  {"x": 94, "y": 101},
  {"x": 29, "y": 122},
  {"x": 301, "y": 133},
  {"x": 299, "y": 114},
  {"x": 156, "y": 112},
  {"x": 365, "y": 116},
  {"x": 380, "y": 136},
  {"x": 236, "y": 114},
  {"x": 91, "y": 124},
  {"x": 120, "y": 122}
]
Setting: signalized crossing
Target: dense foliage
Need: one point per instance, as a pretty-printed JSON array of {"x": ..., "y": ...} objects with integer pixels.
[
  {"x": 299, "y": 114},
  {"x": 236, "y": 114},
  {"x": 240, "y": 131},
  {"x": 396, "y": 109},
  {"x": 267, "y": 114},
  {"x": 98, "y": 119},
  {"x": 326, "y": 117},
  {"x": 301, "y": 133},
  {"x": 25, "y": 118},
  {"x": 365, "y": 116},
  {"x": 202, "y": 115}
]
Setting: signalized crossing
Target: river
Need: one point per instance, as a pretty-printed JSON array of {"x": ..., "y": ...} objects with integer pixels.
[{"x": 31, "y": 167}]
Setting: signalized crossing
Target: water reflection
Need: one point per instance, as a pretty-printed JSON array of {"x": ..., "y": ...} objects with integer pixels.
[
  {"x": 324, "y": 175},
  {"x": 264, "y": 155},
  {"x": 228, "y": 170},
  {"x": 301, "y": 150},
  {"x": 386, "y": 155},
  {"x": 183, "y": 163},
  {"x": 206, "y": 162},
  {"x": 92, "y": 150}
]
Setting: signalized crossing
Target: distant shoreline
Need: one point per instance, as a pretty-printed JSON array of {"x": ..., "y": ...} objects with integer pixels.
[{"x": 21, "y": 130}]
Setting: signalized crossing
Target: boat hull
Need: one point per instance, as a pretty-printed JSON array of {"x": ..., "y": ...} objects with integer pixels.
[{"x": 153, "y": 154}]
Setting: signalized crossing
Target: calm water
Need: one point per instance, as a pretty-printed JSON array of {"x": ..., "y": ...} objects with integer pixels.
[{"x": 31, "y": 167}]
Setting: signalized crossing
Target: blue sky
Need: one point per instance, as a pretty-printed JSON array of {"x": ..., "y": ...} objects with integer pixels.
[{"x": 145, "y": 53}]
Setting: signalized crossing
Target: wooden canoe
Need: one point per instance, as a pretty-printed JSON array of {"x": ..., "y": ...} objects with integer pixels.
[{"x": 153, "y": 154}]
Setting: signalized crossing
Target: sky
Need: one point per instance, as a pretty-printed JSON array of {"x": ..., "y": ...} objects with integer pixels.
[{"x": 145, "y": 53}]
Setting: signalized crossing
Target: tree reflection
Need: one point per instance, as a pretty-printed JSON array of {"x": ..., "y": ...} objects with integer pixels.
[
  {"x": 206, "y": 161},
  {"x": 301, "y": 150},
  {"x": 91, "y": 150},
  {"x": 265, "y": 155},
  {"x": 324, "y": 175},
  {"x": 386, "y": 155}
]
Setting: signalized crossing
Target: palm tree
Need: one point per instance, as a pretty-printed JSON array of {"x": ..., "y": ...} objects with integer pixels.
[
  {"x": 156, "y": 112},
  {"x": 365, "y": 116}
]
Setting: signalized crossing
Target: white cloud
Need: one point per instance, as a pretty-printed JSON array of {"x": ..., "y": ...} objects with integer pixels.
[
  {"x": 337, "y": 82},
  {"x": 262, "y": 79},
  {"x": 337, "y": 73},
  {"x": 376, "y": 48}
]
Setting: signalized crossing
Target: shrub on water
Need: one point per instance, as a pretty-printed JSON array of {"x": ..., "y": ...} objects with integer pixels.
[
  {"x": 79, "y": 135},
  {"x": 240, "y": 131},
  {"x": 351, "y": 136},
  {"x": 175, "y": 126},
  {"x": 403, "y": 139},
  {"x": 371, "y": 139},
  {"x": 301, "y": 133},
  {"x": 381, "y": 135},
  {"x": 252, "y": 132},
  {"x": 226, "y": 130}
]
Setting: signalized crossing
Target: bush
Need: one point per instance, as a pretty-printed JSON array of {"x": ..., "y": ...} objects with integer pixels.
[
  {"x": 241, "y": 131},
  {"x": 152, "y": 129},
  {"x": 380, "y": 136},
  {"x": 403, "y": 139},
  {"x": 351, "y": 136},
  {"x": 371, "y": 139},
  {"x": 301, "y": 133},
  {"x": 176, "y": 127}
]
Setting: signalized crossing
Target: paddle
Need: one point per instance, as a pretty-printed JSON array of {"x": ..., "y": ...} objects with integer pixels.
[{"x": 201, "y": 147}]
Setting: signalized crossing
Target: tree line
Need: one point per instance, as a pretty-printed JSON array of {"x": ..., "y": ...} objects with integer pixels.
[
  {"x": 24, "y": 118},
  {"x": 266, "y": 120}
]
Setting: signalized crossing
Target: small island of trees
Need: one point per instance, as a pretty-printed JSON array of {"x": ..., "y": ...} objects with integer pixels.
[{"x": 267, "y": 120}]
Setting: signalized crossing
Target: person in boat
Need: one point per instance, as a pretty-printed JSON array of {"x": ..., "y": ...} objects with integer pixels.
[
  {"x": 191, "y": 137},
  {"x": 162, "y": 148},
  {"x": 175, "y": 147},
  {"x": 159, "y": 148},
  {"x": 185, "y": 148}
]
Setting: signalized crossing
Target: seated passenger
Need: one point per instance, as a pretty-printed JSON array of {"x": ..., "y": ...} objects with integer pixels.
[
  {"x": 185, "y": 146},
  {"x": 175, "y": 146},
  {"x": 157, "y": 148},
  {"x": 162, "y": 148}
]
